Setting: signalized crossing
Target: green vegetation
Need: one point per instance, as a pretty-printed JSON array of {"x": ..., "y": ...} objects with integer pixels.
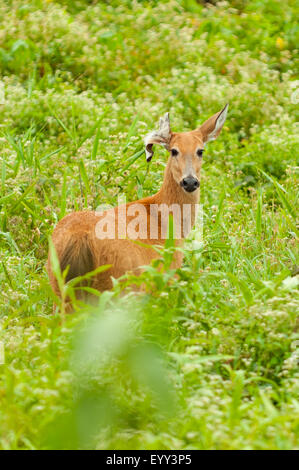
[{"x": 204, "y": 360}]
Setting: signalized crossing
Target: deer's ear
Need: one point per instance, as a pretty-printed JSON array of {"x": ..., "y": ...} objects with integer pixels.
[
  {"x": 161, "y": 137},
  {"x": 212, "y": 127}
]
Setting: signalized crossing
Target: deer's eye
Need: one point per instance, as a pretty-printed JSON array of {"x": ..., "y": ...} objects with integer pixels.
[
  {"x": 174, "y": 152},
  {"x": 199, "y": 152}
]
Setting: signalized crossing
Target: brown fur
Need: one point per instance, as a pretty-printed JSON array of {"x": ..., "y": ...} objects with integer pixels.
[
  {"x": 75, "y": 237},
  {"x": 78, "y": 256}
]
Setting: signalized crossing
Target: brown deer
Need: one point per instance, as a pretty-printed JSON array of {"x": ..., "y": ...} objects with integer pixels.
[{"x": 117, "y": 237}]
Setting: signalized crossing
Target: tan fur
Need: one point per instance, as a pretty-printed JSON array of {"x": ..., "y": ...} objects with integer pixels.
[{"x": 75, "y": 239}]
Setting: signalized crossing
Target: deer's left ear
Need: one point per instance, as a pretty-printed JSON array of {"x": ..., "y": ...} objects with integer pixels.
[
  {"x": 212, "y": 127},
  {"x": 161, "y": 137}
]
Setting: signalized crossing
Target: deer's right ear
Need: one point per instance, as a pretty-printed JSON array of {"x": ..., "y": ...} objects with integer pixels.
[
  {"x": 161, "y": 137},
  {"x": 212, "y": 127}
]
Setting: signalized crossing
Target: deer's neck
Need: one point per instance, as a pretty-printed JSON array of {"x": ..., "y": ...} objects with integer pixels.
[{"x": 171, "y": 193}]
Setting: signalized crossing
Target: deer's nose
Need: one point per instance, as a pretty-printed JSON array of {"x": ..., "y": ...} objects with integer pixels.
[{"x": 190, "y": 184}]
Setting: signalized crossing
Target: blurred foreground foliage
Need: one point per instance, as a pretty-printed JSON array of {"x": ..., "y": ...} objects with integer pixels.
[{"x": 204, "y": 358}]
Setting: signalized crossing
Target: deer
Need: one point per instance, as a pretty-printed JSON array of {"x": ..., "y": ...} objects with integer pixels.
[{"x": 81, "y": 239}]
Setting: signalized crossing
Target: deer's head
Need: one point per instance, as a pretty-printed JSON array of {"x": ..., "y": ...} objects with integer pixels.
[{"x": 186, "y": 148}]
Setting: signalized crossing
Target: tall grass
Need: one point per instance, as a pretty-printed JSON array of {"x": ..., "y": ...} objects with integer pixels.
[{"x": 205, "y": 357}]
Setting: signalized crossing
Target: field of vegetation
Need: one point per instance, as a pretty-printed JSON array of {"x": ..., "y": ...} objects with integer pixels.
[{"x": 207, "y": 359}]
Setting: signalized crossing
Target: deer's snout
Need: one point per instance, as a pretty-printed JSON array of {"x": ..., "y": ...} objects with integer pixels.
[{"x": 190, "y": 184}]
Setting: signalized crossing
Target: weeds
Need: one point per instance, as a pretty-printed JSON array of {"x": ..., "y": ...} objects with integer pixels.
[{"x": 204, "y": 358}]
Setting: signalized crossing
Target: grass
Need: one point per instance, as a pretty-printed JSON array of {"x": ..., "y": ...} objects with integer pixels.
[{"x": 204, "y": 360}]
